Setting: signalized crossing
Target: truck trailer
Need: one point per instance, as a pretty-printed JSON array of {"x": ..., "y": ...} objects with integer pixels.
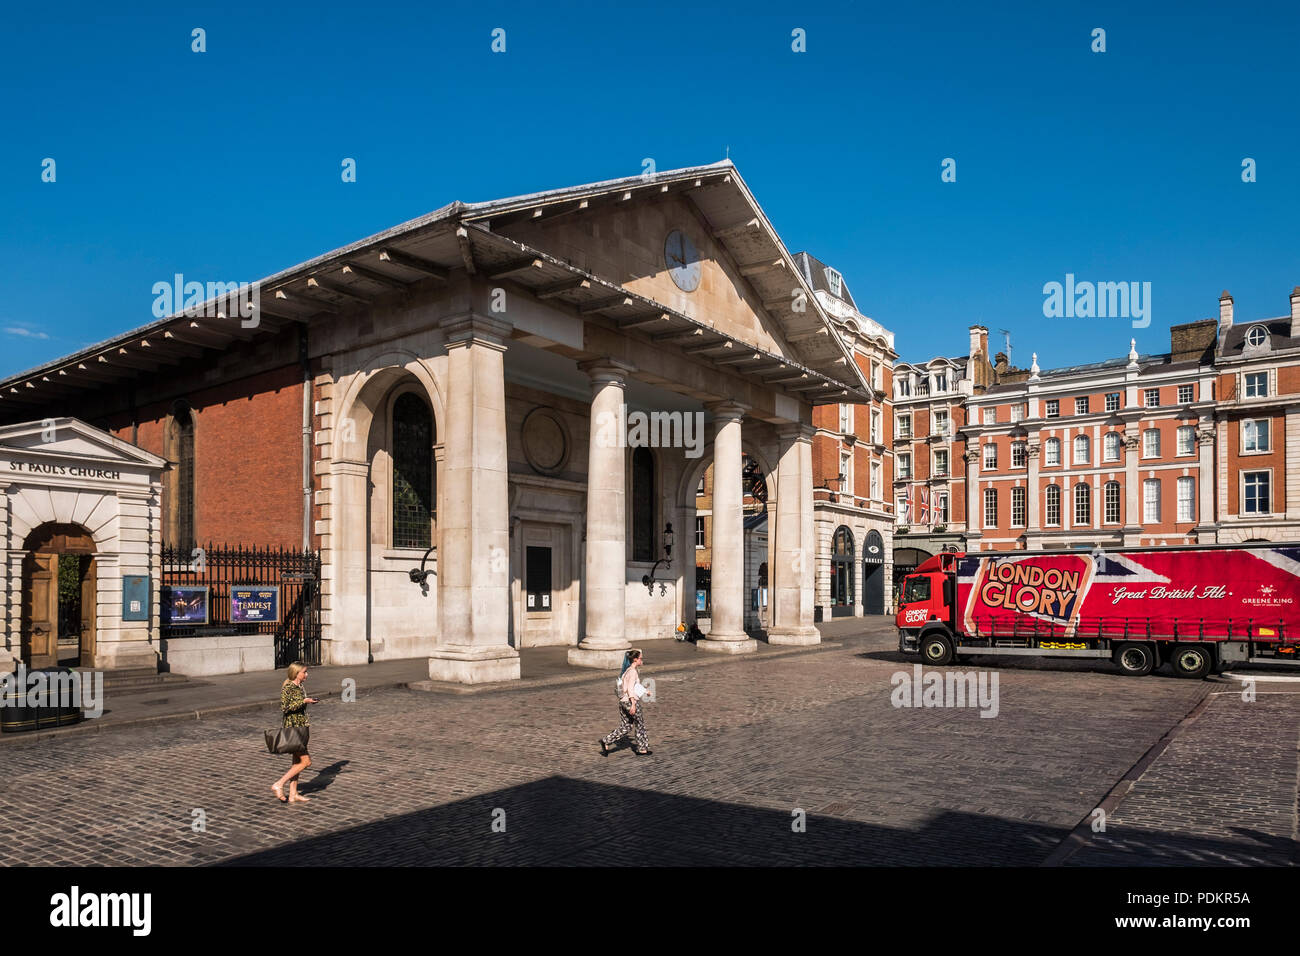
[{"x": 1198, "y": 608}]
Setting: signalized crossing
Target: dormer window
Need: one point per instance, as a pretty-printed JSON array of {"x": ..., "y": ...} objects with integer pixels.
[
  {"x": 836, "y": 282},
  {"x": 1256, "y": 336}
]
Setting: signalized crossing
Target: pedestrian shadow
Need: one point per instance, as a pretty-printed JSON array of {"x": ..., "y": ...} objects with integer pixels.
[{"x": 323, "y": 778}]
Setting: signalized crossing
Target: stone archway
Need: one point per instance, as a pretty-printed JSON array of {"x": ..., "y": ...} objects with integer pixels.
[
  {"x": 58, "y": 596},
  {"x": 367, "y": 587}
]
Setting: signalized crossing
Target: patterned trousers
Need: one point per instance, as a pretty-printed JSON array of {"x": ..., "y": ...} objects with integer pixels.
[{"x": 626, "y": 721}]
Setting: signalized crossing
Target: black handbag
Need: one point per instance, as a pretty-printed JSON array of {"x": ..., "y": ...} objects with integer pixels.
[{"x": 287, "y": 740}]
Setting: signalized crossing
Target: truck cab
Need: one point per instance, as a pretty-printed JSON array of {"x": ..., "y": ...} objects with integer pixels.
[{"x": 926, "y": 600}]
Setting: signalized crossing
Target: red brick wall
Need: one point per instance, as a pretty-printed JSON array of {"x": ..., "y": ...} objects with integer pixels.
[{"x": 248, "y": 458}]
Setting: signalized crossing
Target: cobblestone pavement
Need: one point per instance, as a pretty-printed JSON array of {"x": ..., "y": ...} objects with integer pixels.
[{"x": 408, "y": 777}]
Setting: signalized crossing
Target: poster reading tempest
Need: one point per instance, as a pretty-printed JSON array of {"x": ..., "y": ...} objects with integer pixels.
[
  {"x": 184, "y": 604},
  {"x": 254, "y": 604}
]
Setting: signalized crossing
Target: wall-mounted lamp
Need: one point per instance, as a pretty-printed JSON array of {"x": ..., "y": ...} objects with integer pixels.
[
  {"x": 421, "y": 574},
  {"x": 649, "y": 579}
]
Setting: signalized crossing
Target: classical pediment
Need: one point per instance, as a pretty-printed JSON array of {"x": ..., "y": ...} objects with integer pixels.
[
  {"x": 749, "y": 287},
  {"x": 72, "y": 440}
]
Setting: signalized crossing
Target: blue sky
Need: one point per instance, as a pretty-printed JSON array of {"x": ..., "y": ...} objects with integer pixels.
[{"x": 1115, "y": 166}]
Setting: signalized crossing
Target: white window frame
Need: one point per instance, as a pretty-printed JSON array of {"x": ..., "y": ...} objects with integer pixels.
[
  {"x": 1019, "y": 507},
  {"x": 939, "y": 421},
  {"x": 934, "y": 463},
  {"x": 1018, "y": 412},
  {"x": 989, "y": 415},
  {"x": 1047, "y": 506},
  {"x": 941, "y": 507},
  {"x": 941, "y": 381},
  {"x": 1189, "y": 499},
  {"x": 989, "y": 456},
  {"x": 875, "y": 427},
  {"x": 1147, "y": 436},
  {"x": 1019, "y": 454},
  {"x": 1245, "y": 477},
  {"x": 1084, "y": 502},
  {"x": 875, "y": 481},
  {"x": 835, "y": 282},
  {"x": 1112, "y": 401},
  {"x": 1248, "y": 379},
  {"x": 1082, "y": 441},
  {"x": 699, "y": 532},
  {"x": 1081, "y": 405},
  {"x": 990, "y": 501},
  {"x": 846, "y": 469},
  {"x": 1052, "y": 408},
  {"x": 1188, "y": 432},
  {"x": 1260, "y": 339},
  {"x": 1189, "y": 391},
  {"x": 1150, "y": 501},
  {"x": 1106, "y": 502},
  {"x": 904, "y": 424},
  {"x": 846, "y": 418},
  {"x": 1110, "y": 446},
  {"x": 904, "y": 386},
  {"x": 905, "y": 465},
  {"x": 1268, "y": 436},
  {"x": 1151, "y": 398},
  {"x": 1050, "y": 445}
]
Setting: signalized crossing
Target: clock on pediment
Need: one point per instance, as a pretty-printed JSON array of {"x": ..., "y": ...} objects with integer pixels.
[{"x": 683, "y": 261}]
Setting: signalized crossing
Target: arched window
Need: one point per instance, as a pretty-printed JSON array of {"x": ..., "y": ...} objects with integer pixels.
[
  {"x": 180, "y": 449},
  {"x": 1052, "y": 451},
  {"x": 413, "y": 472},
  {"x": 1110, "y": 448},
  {"x": 842, "y": 568},
  {"x": 1082, "y": 450},
  {"x": 643, "y": 505}
]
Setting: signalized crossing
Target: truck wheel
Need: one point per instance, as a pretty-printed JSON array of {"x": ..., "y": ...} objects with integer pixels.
[
  {"x": 936, "y": 649},
  {"x": 1191, "y": 661},
  {"x": 1135, "y": 660}
]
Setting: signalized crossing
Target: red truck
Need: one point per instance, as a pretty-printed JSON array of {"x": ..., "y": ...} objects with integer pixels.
[{"x": 1197, "y": 608}]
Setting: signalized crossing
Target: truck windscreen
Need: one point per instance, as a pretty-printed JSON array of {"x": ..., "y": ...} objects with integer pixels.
[{"x": 917, "y": 588}]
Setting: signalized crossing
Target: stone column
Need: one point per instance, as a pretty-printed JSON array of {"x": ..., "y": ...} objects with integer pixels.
[
  {"x": 1033, "y": 494},
  {"x": 473, "y": 644},
  {"x": 1132, "y": 487},
  {"x": 974, "y": 499},
  {"x": 1206, "y": 529},
  {"x": 1291, "y": 461},
  {"x": 604, "y": 610},
  {"x": 795, "y": 552},
  {"x": 727, "y": 631},
  {"x": 347, "y": 618}
]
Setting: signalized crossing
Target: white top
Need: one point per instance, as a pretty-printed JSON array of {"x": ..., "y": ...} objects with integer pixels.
[{"x": 632, "y": 686}]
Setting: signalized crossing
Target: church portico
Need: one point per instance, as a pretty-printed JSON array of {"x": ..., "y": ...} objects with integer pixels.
[{"x": 507, "y": 410}]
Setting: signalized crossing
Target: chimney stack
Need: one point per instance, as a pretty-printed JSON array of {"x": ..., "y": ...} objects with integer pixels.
[
  {"x": 1295, "y": 312},
  {"x": 1225, "y": 312},
  {"x": 974, "y": 341}
]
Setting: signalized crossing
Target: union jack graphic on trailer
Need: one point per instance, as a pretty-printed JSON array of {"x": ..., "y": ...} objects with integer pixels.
[{"x": 1213, "y": 593}]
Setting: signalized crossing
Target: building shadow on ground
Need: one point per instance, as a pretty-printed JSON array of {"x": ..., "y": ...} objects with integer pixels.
[{"x": 568, "y": 822}]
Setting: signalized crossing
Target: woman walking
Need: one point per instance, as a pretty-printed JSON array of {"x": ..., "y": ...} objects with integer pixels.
[
  {"x": 293, "y": 702},
  {"x": 631, "y": 711}
]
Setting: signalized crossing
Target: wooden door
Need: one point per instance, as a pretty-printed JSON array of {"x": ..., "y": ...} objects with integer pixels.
[
  {"x": 41, "y": 610},
  {"x": 89, "y": 598}
]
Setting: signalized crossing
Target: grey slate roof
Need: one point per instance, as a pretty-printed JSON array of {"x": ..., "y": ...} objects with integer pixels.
[
  {"x": 1279, "y": 333},
  {"x": 814, "y": 272}
]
